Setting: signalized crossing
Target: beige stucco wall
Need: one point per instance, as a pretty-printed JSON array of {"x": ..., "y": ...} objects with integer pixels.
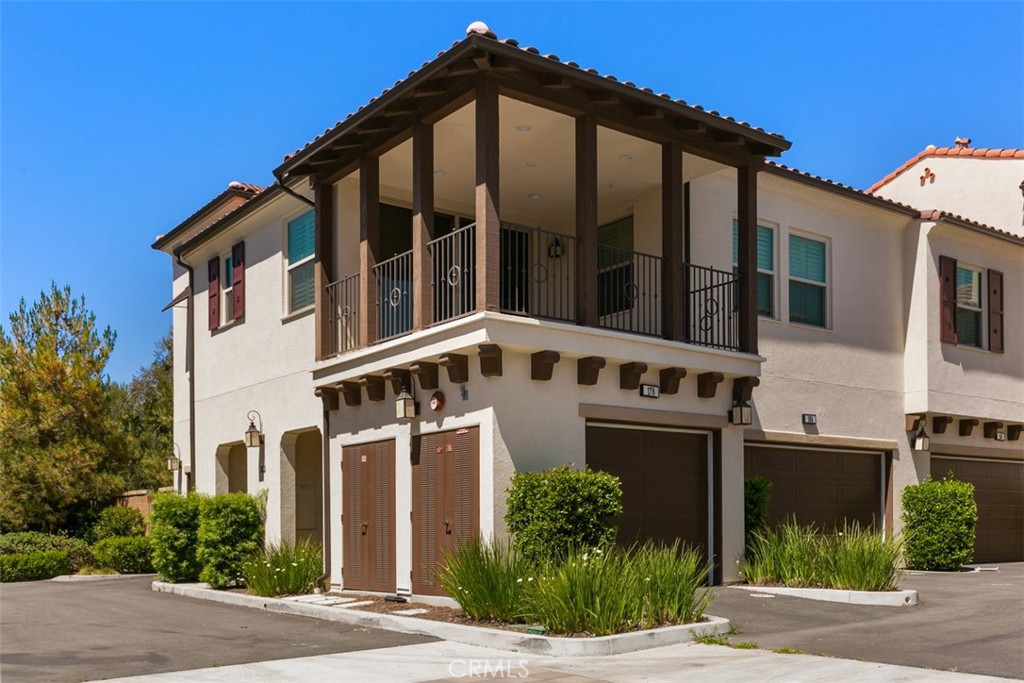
[{"x": 984, "y": 190}]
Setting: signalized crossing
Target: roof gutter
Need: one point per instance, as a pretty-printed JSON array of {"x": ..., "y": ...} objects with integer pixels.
[
  {"x": 968, "y": 225},
  {"x": 190, "y": 368},
  {"x": 280, "y": 181}
]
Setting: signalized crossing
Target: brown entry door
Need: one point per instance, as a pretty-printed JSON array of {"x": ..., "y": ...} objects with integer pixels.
[
  {"x": 664, "y": 479},
  {"x": 368, "y": 522},
  {"x": 445, "y": 499}
]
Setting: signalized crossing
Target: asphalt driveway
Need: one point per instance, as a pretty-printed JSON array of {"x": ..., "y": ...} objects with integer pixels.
[
  {"x": 969, "y": 622},
  {"x": 77, "y": 631}
]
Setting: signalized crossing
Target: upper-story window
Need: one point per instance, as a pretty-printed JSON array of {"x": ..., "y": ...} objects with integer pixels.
[
  {"x": 765, "y": 266},
  {"x": 301, "y": 232},
  {"x": 228, "y": 305},
  {"x": 226, "y": 287},
  {"x": 808, "y": 281},
  {"x": 971, "y": 301}
]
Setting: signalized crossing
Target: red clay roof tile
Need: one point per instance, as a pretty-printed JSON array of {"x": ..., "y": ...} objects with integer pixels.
[{"x": 933, "y": 151}]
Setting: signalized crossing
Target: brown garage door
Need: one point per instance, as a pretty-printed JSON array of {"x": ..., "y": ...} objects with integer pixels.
[
  {"x": 819, "y": 487},
  {"x": 445, "y": 501},
  {"x": 999, "y": 493},
  {"x": 664, "y": 482},
  {"x": 368, "y": 518}
]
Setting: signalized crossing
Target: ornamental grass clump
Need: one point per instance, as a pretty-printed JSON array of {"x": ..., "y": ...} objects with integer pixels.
[
  {"x": 490, "y": 581},
  {"x": 672, "y": 581},
  {"x": 861, "y": 560},
  {"x": 284, "y": 569}
]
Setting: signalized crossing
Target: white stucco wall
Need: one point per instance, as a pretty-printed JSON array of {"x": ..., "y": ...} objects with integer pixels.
[{"x": 981, "y": 189}]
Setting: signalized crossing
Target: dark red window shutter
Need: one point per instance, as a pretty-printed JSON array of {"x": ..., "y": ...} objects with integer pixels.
[
  {"x": 947, "y": 302},
  {"x": 995, "y": 311},
  {"x": 238, "y": 280},
  {"x": 213, "y": 273}
]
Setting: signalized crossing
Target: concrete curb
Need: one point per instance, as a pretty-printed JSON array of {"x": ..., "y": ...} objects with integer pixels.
[
  {"x": 460, "y": 633},
  {"x": 904, "y": 598},
  {"x": 97, "y": 577}
]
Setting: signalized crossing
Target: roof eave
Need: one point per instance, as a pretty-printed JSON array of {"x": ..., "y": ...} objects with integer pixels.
[{"x": 166, "y": 240}]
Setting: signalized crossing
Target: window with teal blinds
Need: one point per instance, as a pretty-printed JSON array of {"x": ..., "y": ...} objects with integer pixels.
[
  {"x": 968, "y": 306},
  {"x": 807, "y": 281},
  {"x": 301, "y": 232},
  {"x": 765, "y": 266}
]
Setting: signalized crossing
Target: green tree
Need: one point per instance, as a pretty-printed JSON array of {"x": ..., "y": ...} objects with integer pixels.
[
  {"x": 62, "y": 454},
  {"x": 145, "y": 409}
]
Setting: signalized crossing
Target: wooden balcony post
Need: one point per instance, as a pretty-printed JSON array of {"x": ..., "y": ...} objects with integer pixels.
[
  {"x": 422, "y": 222},
  {"x": 323, "y": 268},
  {"x": 747, "y": 259},
  {"x": 369, "y": 246},
  {"x": 672, "y": 313},
  {"x": 586, "y": 221},
  {"x": 488, "y": 227}
]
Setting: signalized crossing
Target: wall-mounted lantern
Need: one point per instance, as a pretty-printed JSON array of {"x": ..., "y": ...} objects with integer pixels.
[
  {"x": 921, "y": 441},
  {"x": 254, "y": 435},
  {"x": 741, "y": 413},
  {"x": 174, "y": 460},
  {"x": 555, "y": 249},
  {"x": 406, "y": 407}
]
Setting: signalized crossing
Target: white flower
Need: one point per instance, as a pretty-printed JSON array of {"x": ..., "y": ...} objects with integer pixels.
[
  {"x": 530, "y": 579},
  {"x": 294, "y": 564},
  {"x": 519, "y": 580}
]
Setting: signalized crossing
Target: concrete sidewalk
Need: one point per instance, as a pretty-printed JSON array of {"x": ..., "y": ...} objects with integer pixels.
[{"x": 444, "y": 662}]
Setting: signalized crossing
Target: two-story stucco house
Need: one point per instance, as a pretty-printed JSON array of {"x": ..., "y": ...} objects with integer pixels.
[{"x": 509, "y": 262}]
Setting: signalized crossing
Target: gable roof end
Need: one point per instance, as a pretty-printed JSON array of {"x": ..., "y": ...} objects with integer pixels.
[{"x": 959, "y": 151}]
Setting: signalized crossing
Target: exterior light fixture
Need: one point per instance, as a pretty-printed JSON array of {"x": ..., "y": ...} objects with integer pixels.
[
  {"x": 174, "y": 460},
  {"x": 921, "y": 440},
  {"x": 741, "y": 413},
  {"x": 555, "y": 249},
  {"x": 254, "y": 435},
  {"x": 405, "y": 405}
]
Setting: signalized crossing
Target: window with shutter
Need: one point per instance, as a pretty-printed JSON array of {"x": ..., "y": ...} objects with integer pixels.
[
  {"x": 969, "y": 307},
  {"x": 947, "y": 299},
  {"x": 995, "y": 312},
  {"x": 213, "y": 291},
  {"x": 808, "y": 281},
  {"x": 238, "y": 281},
  {"x": 765, "y": 266},
  {"x": 301, "y": 233}
]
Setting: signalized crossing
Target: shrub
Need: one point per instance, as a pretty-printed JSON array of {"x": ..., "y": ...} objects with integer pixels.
[
  {"x": 117, "y": 521},
  {"x": 175, "y": 534},
  {"x": 671, "y": 580},
  {"x": 489, "y": 581},
  {"x": 78, "y": 551},
  {"x": 125, "y": 554},
  {"x": 800, "y": 556},
  {"x": 939, "y": 519},
  {"x": 33, "y": 566},
  {"x": 756, "y": 493},
  {"x": 552, "y": 511},
  {"x": 230, "y": 532},
  {"x": 284, "y": 569}
]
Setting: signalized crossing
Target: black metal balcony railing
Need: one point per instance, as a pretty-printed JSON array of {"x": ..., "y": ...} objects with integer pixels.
[
  {"x": 538, "y": 273},
  {"x": 628, "y": 290},
  {"x": 712, "y": 317},
  {"x": 453, "y": 273},
  {"x": 343, "y": 314},
  {"x": 394, "y": 296}
]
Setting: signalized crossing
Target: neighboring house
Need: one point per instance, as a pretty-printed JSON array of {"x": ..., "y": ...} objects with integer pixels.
[{"x": 507, "y": 262}]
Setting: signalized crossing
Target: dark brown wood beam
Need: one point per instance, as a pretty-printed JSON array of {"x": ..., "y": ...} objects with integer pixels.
[
  {"x": 426, "y": 374},
  {"x": 669, "y": 378},
  {"x": 967, "y": 426},
  {"x": 644, "y": 111},
  {"x": 457, "y": 365},
  {"x": 352, "y": 393},
  {"x": 913, "y": 422},
  {"x": 482, "y": 61},
  {"x": 490, "y": 360},
  {"x": 588, "y": 369},
  {"x": 630, "y": 374},
  {"x": 707, "y": 384},
  {"x": 328, "y": 397},
  {"x": 323, "y": 268},
  {"x": 488, "y": 227},
  {"x": 586, "y": 221},
  {"x": 990, "y": 429},
  {"x": 554, "y": 82},
  {"x": 398, "y": 378},
  {"x": 673, "y": 321},
  {"x": 746, "y": 202},
  {"x": 725, "y": 137},
  {"x": 422, "y": 223},
  {"x": 369, "y": 247},
  {"x": 939, "y": 423},
  {"x": 374, "y": 385},
  {"x": 743, "y": 388},
  {"x": 542, "y": 364},
  {"x": 1013, "y": 433},
  {"x": 603, "y": 98}
]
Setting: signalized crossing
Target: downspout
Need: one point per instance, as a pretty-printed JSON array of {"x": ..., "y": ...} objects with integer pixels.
[
  {"x": 280, "y": 181},
  {"x": 190, "y": 367},
  {"x": 327, "y": 398}
]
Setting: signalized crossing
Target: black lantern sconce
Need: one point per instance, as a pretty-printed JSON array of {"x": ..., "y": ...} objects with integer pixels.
[
  {"x": 921, "y": 441},
  {"x": 254, "y": 435},
  {"x": 741, "y": 413}
]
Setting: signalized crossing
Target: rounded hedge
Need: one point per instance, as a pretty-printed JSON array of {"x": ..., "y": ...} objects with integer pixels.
[
  {"x": 34, "y": 566},
  {"x": 125, "y": 554},
  {"x": 230, "y": 532},
  {"x": 78, "y": 551},
  {"x": 175, "y": 535},
  {"x": 939, "y": 518}
]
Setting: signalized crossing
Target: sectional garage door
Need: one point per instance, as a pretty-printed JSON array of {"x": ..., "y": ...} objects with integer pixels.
[
  {"x": 664, "y": 481},
  {"x": 999, "y": 493},
  {"x": 821, "y": 487}
]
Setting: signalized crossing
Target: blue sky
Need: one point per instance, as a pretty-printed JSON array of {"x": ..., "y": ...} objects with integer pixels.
[{"x": 118, "y": 120}]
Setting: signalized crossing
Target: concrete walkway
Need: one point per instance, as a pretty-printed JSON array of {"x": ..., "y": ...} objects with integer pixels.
[{"x": 443, "y": 662}]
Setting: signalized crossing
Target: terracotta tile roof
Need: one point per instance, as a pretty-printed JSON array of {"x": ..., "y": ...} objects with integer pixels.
[
  {"x": 245, "y": 191},
  {"x": 478, "y": 30},
  {"x": 938, "y": 215},
  {"x": 960, "y": 150},
  {"x": 236, "y": 214},
  {"x": 826, "y": 183}
]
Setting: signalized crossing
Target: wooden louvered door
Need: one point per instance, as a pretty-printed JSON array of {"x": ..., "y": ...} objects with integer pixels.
[
  {"x": 368, "y": 522},
  {"x": 446, "y": 501}
]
